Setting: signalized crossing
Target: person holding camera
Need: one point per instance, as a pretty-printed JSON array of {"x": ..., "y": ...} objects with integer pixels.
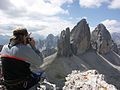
[{"x": 19, "y": 59}]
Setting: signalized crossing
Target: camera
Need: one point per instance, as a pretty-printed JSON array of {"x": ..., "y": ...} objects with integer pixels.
[{"x": 28, "y": 39}]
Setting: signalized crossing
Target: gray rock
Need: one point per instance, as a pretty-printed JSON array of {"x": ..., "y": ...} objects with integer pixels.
[
  {"x": 48, "y": 52},
  {"x": 116, "y": 38},
  {"x": 101, "y": 39},
  {"x": 115, "y": 48},
  {"x": 63, "y": 45},
  {"x": 50, "y": 41},
  {"x": 80, "y": 37},
  {"x": 89, "y": 80}
]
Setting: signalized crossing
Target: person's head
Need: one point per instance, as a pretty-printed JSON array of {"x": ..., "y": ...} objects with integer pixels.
[{"x": 18, "y": 35}]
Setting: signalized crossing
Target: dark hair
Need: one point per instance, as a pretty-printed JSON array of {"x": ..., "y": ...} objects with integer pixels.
[{"x": 18, "y": 34}]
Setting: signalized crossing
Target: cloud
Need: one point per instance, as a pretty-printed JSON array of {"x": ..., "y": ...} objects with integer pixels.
[
  {"x": 32, "y": 8},
  {"x": 112, "y": 25},
  {"x": 55, "y": 25},
  {"x": 43, "y": 26},
  {"x": 91, "y": 3},
  {"x": 38, "y": 16},
  {"x": 112, "y": 4},
  {"x": 115, "y": 4}
]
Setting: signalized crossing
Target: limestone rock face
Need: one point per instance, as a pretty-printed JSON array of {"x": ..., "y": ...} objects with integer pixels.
[
  {"x": 80, "y": 37},
  {"x": 101, "y": 39},
  {"x": 89, "y": 80},
  {"x": 63, "y": 45}
]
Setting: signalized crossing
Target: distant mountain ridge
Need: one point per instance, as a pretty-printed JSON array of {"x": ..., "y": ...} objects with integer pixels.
[
  {"x": 116, "y": 38},
  {"x": 48, "y": 45}
]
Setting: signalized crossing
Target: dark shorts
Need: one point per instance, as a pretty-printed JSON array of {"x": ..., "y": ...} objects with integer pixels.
[{"x": 25, "y": 85}]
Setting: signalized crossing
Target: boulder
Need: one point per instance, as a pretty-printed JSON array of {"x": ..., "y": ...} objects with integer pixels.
[{"x": 80, "y": 37}]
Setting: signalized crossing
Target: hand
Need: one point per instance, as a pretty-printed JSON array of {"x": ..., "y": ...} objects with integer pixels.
[
  {"x": 25, "y": 38},
  {"x": 32, "y": 42}
]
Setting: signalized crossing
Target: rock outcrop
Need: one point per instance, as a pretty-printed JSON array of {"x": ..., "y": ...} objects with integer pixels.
[
  {"x": 63, "y": 45},
  {"x": 75, "y": 42},
  {"x": 80, "y": 37},
  {"x": 101, "y": 39},
  {"x": 89, "y": 80}
]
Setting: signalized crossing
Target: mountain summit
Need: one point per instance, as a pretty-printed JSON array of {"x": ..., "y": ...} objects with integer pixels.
[{"x": 101, "y": 39}]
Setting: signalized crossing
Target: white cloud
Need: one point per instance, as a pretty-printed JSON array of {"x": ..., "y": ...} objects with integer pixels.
[
  {"x": 38, "y": 16},
  {"x": 33, "y": 7},
  {"x": 55, "y": 25},
  {"x": 43, "y": 27},
  {"x": 114, "y": 4},
  {"x": 91, "y": 3},
  {"x": 112, "y": 25}
]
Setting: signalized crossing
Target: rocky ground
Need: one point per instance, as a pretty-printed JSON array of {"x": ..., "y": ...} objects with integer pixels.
[
  {"x": 77, "y": 80},
  {"x": 89, "y": 80}
]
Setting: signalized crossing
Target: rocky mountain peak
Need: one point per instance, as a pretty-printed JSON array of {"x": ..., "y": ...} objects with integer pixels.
[
  {"x": 50, "y": 36},
  {"x": 50, "y": 41},
  {"x": 75, "y": 42},
  {"x": 80, "y": 37},
  {"x": 64, "y": 48},
  {"x": 101, "y": 39},
  {"x": 101, "y": 27}
]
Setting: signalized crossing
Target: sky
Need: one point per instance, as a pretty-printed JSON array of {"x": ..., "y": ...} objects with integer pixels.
[{"x": 42, "y": 17}]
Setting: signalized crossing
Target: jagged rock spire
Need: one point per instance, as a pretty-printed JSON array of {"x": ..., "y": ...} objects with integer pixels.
[
  {"x": 64, "y": 48},
  {"x": 80, "y": 37},
  {"x": 101, "y": 39}
]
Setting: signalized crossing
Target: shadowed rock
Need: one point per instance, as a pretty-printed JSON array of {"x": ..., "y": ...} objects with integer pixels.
[
  {"x": 63, "y": 45},
  {"x": 80, "y": 37},
  {"x": 101, "y": 39}
]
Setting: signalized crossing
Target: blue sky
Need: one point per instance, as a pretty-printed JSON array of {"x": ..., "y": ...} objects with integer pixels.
[{"x": 42, "y": 17}]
